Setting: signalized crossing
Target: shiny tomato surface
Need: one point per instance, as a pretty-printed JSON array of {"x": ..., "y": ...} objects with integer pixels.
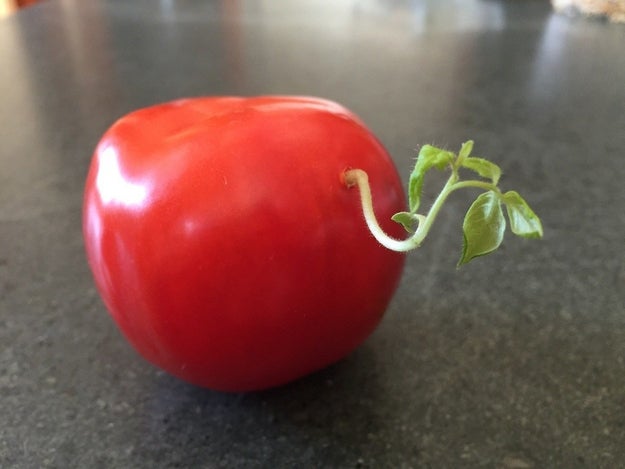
[{"x": 225, "y": 243}]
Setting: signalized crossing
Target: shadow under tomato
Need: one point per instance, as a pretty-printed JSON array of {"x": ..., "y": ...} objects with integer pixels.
[{"x": 326, "y": 418}]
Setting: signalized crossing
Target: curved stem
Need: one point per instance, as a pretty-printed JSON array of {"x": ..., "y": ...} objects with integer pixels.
[
  {"x": 357, "y": 177},
  {"x": 484, "y": 222},
  {"x": 360, "y": 179}
]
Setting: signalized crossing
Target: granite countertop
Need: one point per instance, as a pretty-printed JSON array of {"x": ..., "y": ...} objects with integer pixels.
[{"x": 514, "y": 361}]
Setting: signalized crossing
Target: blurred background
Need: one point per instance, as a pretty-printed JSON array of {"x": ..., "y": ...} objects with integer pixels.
[
  {"x": 613, "y": 10},
  {"x": 8, "y": 7}
]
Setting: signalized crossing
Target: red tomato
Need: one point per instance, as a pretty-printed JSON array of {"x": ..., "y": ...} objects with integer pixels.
[{"x": 225, "y": 244}]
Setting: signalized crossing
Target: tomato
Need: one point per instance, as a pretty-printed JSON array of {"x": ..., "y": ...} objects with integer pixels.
[{"x": 227, "y": 247}]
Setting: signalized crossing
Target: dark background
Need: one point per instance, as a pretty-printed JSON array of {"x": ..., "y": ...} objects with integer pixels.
[{"x": 514, "y": 361}]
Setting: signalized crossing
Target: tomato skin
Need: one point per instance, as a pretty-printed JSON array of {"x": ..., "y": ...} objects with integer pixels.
[{"x": 225, "y": 244}]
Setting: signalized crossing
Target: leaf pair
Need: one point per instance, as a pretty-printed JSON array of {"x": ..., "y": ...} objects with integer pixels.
[
  {"x": 484, "y": 224},
  {"x": 433, "y": 157}
]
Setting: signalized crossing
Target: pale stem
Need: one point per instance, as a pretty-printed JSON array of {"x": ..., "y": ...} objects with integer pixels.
[{"x": 359, "y": 178}]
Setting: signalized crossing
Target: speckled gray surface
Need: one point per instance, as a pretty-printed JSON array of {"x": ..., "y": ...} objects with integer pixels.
[{"x": 516, "y": 361}]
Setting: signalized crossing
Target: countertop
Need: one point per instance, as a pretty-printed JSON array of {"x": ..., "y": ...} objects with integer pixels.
[{"x": 517, "y": 360}]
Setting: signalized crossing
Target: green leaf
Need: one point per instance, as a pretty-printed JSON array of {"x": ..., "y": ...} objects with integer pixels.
[
  {"x": 483, "y": 167},
  {"x": 406, "y": 219},
  {"x": 465, "y": 151},
  {"x": 523, "y": 221},
  {"x": 483, "y": 227},
  {"x": 429, "y": 157}
]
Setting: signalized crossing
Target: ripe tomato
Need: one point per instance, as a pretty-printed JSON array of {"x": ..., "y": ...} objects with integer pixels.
[{"x": 225, "y": 244}]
